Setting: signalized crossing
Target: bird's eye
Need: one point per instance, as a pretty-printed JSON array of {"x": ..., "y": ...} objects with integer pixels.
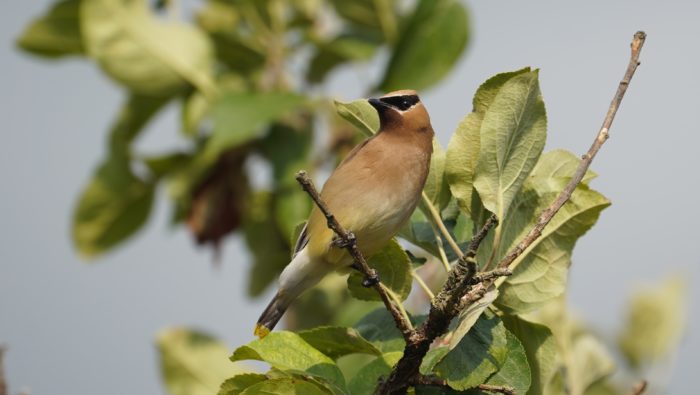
[{"x": 406, "y": 103}]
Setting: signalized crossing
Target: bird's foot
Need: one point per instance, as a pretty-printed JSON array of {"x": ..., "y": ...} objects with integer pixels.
[
  {"x": 344, "y": 242},
  {"x": 371, "y": 279}
]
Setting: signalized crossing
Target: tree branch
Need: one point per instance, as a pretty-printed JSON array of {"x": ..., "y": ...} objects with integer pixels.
[
  {"x": 446, "y": 304},
  {"x": 348, "y": 241},
  {"x": 438, "y": 382},
  {"x": 3, "y": 382}
]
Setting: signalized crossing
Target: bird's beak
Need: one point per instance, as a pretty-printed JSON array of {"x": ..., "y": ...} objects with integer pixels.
[{"x": 378, "y": 104}]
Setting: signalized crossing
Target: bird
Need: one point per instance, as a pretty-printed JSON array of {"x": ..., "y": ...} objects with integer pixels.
[{"x": 372, "y": 193}]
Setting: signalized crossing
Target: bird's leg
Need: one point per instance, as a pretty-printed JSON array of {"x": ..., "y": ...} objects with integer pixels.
[{"x": 344, "y": 242}]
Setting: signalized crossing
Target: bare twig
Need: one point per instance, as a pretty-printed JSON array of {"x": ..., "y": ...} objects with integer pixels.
[
  {"x": 438, "y": 382},
  {"x": 586, "y": 159},
  {"x": 3, "y": 382},
  {"x": 446, "y": 304},
  {"x": 639, "y": 388},
  {"x": 437, "y": 221},
  {"x": 347, "y": 240}
]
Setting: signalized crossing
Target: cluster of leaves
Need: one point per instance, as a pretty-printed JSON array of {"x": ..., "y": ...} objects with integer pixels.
[{"x": 242, "y": 74}]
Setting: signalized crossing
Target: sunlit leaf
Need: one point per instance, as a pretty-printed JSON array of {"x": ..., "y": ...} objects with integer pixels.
[
  {"x": 394, "y": 270},
  {"x": 468, "y": 317},
  {"x": 193, "y": 363},
  {"x": 56, "y": 33},
  {"x": 367, "y": 378},
  {"x": 142, "y": 53},
  {"x": 464, "y": 147},
  {"x": 285, "y": 386},
  {"x": 379, "y": 328},
  {"x": 515, "y": 371},
  {"x": 287, "y": 351},
  {"x": 436, "y": 187},
  {"x": 335, "y": 341},
  {"x": 513, "y": 132},
  {"x": 236, "y": 384},
  {"x": 361, "y": 114},
  {"x": 429, "y": 45},
  {"x": 342, "y": 49}
]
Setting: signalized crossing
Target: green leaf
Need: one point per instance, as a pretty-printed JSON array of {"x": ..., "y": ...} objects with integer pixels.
[
  {"x": 540, "y": 274},
  {"x": 287, "y": 351},
  {"x": 359, "y": 12},
  {"x": 288, "y": 149},
  {"x": 236, "y": 384},
  {"x": 163, "y": 165},
  {"x": 285, "y": 386},
  {"x": 468, "y": 317},
  {"x": 463, "y": 149},
  {"x": 429, "y": 46},
  {"x": 515, "y": 371},
  {"x": 241, "y": 117},
  {"x": 436, "y": 187},
  {"x": 481, "y": 353},
  {"x": 335, "y": 341},
  {"x": 113, "y": 205},
  {"x": 55, "y": 34},
  {"x": 192, "y": 362},
  {"x": 367, "y": 378},
  {"x": 341, "y": 49},
  {"x": 394, "y": 269},
  {"x": 379, "y": 328},
  {"x": 655, "y": 322},
  {"x": 360, "y": 114},
  {"x": 540, "y": 348},
  {"x": 270, "y": 250},
  {"x": 144, "y": 54},
  {"x": 513, "y": 132},
  {"x": 560, "y": 163}
]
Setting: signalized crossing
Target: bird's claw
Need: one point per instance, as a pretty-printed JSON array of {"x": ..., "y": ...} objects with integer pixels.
[
  {"x": 371, "y": 280},
  {"x": 344, "y": 242}
]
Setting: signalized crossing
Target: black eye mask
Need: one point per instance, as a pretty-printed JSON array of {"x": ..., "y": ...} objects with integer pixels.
[{"x": 402, "y": 103}]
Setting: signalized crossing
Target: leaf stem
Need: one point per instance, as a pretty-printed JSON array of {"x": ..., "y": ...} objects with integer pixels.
[
  {"x": 441, "y": 248},
  {"x": 394, "y": 298},
  {"x": 435, "y": 218},
  {"x": 422, "y": 284}
]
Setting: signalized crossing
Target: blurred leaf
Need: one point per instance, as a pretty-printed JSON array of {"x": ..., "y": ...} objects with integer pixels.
[
  {"x": 480, "y": 353},
  {"x": 335, "y": 341},
  {"x": 429, "y": 45},
  {"x": 55, "y": 34},
  {"x": 513, "y": 132},
  {"x": 463, "y": 149},
  {"x": 287, "y": 351},
  {"x": 163, "y": 165},
  {"x": 379, "y": 328},
  {"x": 236, "y": 384},
  {"x": 342, "y": 49},
  {"x": 468, "y": 317},
  {"x": 540, "y": 348},
  {"x": 241, "y": 117},
  {"x": 144, "y": 54},
  {"x": 367, "y": 378},
  {"x": 436, "y": 187},
  {"x": 219, "y": 201},
  {"x": 269, "y": 249},
  {"x": 655, "y": 322},
  {"x": 133, "y": 117},
  {"x": 394, "y": 270},
  {"x": 288, "y": 149},
  {"x": 194, "y": 108},
  {"x": 360, "y": 114},
  {"x": 285, "y": 386},
  {"x": 359, "y": 12},
  {"x": 590, "y": 362},
  {"x": 192, "y": 362},
  {"x": 113, "y": 205}
]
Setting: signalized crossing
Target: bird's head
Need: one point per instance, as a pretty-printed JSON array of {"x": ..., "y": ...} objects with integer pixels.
[{"x": 403, "y": 110}]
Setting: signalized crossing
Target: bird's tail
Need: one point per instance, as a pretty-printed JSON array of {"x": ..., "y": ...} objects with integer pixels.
[
  {"x": 301, "y": 274},
  {"x": 272, "y": 314}
]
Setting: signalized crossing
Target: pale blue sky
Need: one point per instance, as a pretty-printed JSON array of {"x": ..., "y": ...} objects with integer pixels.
[{"x": 74, "y": 328}]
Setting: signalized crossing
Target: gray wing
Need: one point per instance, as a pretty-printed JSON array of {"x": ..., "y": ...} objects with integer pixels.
[{"x": 302, "y": 241}]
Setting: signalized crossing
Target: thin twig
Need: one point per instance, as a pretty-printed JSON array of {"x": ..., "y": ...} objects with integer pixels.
[
  {"x": 639, "y": 388},
  {"x": 348, "y": 241},
  {"x": 3, "y": 382},
  {"x": 438, "y": 382},
  {"x": 445, "y": 305},
  {"x": 586, "y": 159},
  {"x": 437, "y": 220},
  {"x": 422, "y": 284},
  {"x": 441, "y": 249}
]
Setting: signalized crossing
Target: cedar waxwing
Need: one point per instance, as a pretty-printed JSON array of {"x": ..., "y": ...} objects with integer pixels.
[{"x": 372, "y": 193}]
